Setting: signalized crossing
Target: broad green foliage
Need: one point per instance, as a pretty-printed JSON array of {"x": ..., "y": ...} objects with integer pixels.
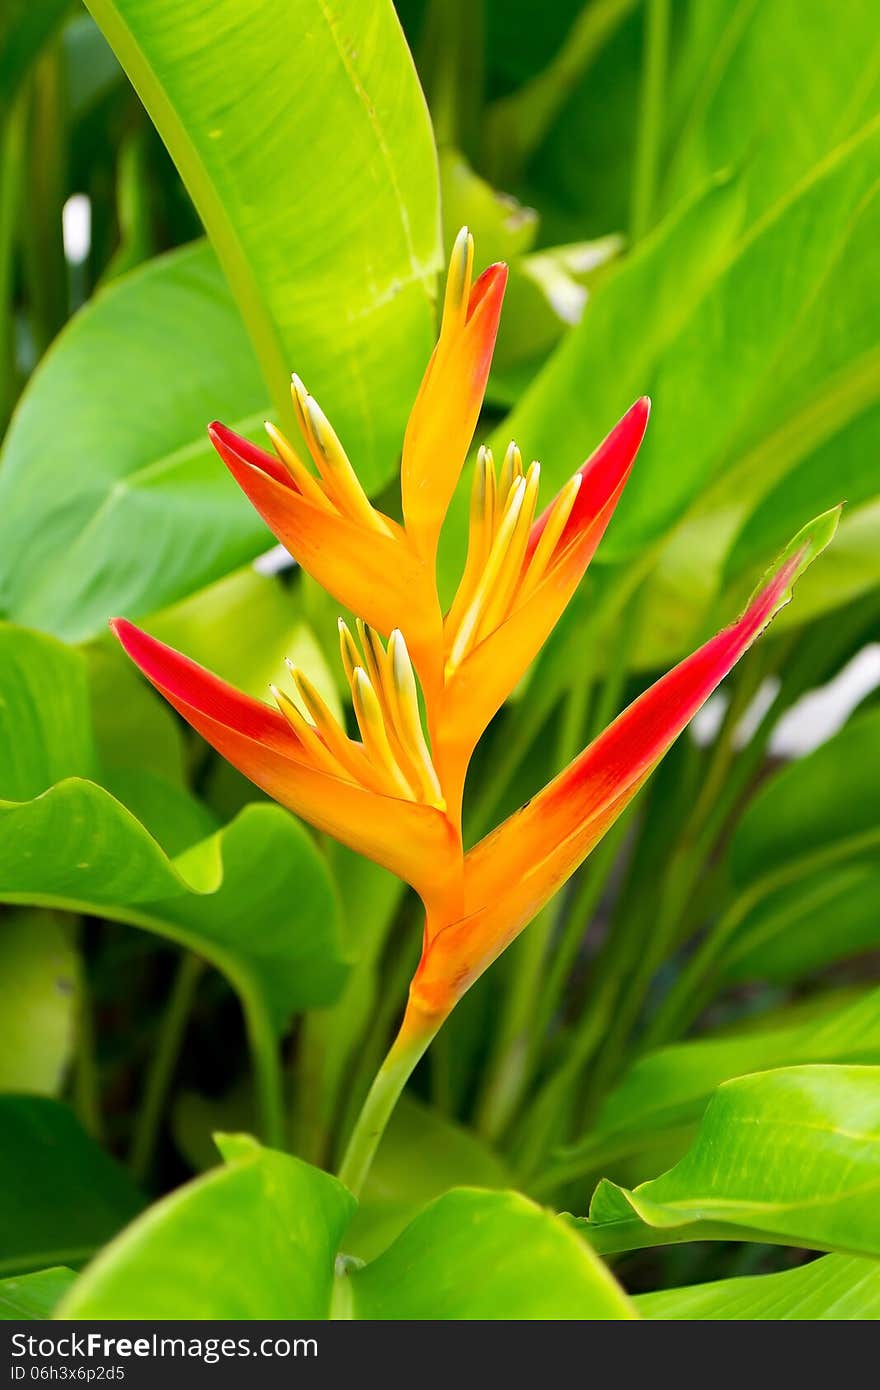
[
  {"x": 133, "y": 501},
  {"x": 127, "y": 507},
  {"x": 62, "y": 1197},
  {"x": 791, "y": 1156},
  {"x": 464, "y": 1256},
  {"x": 475, "y": 1254},
  {"x": 836, "y": 1288},
  {"x": 332, "y": 264},
  {"x": 716, "y": 391},
  {"x": 256, "y": 1238},
  {"x": 35, "y": 1295},
  {"x": 666, "y": 1092},
  {"x": 266, "y": 625},
  {"x": 45, "y": 730}
]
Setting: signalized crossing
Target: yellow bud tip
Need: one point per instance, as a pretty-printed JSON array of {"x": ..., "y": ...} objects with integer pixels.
[{"x": 458, "y": 281}]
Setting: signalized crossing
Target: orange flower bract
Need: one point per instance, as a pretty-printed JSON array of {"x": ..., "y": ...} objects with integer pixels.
[{"x": 394, "y": 790}]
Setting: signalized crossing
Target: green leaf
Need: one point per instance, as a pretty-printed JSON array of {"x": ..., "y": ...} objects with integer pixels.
[
  {"x": 127, "y": 507},
  {"x": 37, "y": 1001},
  {"x": 422, "y": 1155},
  {"x": 302, "y": 136},
  {"x": 827, "y": 802},
  {"x": 743, "y": 404},
  {"x": 255, "y": 898},
  {"x": 45, "y": 729},
  {"x": 33, "y": 1296},
  {"x": 61, "y": 1197},
  {"x": 135, "y": 729},
  {"x": 741, "y": 97},
  {"x": 487, "y": 1255},
  {"x": 799, "y": 929},
  {"x": 256, "y": 1238},
  {"x": 836, "y": 1288},
  {"x": 665, "y": 1093},
  {"x": 789, "y": 1156},
  {"x": 172, "y": 816}
]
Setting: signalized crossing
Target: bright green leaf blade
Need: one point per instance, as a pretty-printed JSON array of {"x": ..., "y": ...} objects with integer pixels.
[
  {"x": 303, "y": 138},
  {"x": 31, "y": 1296},
  {"x": 740, "y": 100},
  {"x": 112, "y": 499},
  {"x": 61, "y": 1197},
  {"x": 825, "y": 916},
  {"x": 792, "y": 326},
  {"x": 38, "y": 970},
  {"x": 256, "y": 1238},
  {"x": 667, "y": 1091},
  {"x": 836, "y": 1287},
  {"x": 255, "y": 898},
  {"x": 790, "y": 1156},
  {"x": 487, "y": 1255},
  {"x": 170, "y": 814},
  {"x": 45, "y": 730}
]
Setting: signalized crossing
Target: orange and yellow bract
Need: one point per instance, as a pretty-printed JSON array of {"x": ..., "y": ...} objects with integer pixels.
[{"x": 394, "y": 792}]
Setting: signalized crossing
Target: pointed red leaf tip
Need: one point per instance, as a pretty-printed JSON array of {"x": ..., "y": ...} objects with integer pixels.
[
  {"x": 603, "y": 476},
  {"x": 235, "y": 450}
]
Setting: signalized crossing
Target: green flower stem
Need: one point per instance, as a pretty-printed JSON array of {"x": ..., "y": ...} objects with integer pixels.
[
  {"x": 406, "y": 1051},
  {"x": 163, "y": 1064},
  {"x": 268, "y": 1072},
  {"x": 395, "y": 975}
]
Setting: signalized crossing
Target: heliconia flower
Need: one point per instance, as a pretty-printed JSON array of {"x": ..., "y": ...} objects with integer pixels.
[
  {"x": 394, "y": 793},
  {"x": 515, "y": 870},
  {"x": 367, "y": 561},
  {"x": 378, "y": 794}
]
